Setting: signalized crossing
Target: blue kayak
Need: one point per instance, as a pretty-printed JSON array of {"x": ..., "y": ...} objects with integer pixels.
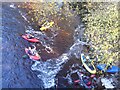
[{"x": 112, "y": 69}]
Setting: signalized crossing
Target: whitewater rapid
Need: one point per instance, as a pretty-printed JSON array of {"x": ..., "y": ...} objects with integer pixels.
[{"x": 49, "y": 69}]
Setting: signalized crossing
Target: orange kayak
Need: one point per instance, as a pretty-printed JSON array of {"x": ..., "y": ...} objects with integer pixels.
[
  {"x": 31, "y": 39},
  {"x": 34, "y": 57}
]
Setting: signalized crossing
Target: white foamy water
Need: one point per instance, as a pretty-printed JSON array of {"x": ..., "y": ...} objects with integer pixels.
[
  {"x": 49, "y": 69},
  {"x": 42, "y": 37},
  {"x": 24, "y": 16},
  {"x": 12, "y": 6}
]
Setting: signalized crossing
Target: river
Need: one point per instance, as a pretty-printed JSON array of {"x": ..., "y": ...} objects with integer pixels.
[{"x": 25, "y": 73}]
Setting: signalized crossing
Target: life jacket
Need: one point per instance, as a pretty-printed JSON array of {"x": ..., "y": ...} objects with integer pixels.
[{"x": 29, "y": 52}]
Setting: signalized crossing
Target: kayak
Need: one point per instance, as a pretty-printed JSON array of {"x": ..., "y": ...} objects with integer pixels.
[
  {"x": 34, "y": 57},
  {"x": 31, "y": 39},
  {"x": 46, "y": 25},
  {"x": 77, "y": 81},
  {"x": 78, "y": 78},
  {"x": 90, "y": 68},
  {"x": 112, "y": 69},
  {"x": 85, "y": 80}
]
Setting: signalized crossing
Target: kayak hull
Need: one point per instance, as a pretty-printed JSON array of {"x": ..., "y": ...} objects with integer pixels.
[
  {"x": 30, "y": 40},
  {"x": 34, "y": 57},
  {"x": 113, "y": 69},
  {"x": 86, "y": 66},
  {"x": 47, "y": 26}
]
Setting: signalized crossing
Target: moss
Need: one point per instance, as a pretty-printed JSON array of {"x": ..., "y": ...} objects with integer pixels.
[{"x": 102, "y": 30}]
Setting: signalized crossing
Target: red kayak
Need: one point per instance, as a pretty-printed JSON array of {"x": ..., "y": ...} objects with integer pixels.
[
  {"x": 34, "y": 57},
  {"x": 30, "y": 39}
]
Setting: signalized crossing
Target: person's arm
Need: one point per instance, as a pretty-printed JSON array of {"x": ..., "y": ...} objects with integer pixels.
[
  {"x": 29, "y": 48},
  {"x": 34, "y": 47}
]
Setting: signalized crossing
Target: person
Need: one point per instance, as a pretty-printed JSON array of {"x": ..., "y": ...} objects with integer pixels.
[
  {"x": 29, "y": 36},
  {"x": 31, "y": 51}
]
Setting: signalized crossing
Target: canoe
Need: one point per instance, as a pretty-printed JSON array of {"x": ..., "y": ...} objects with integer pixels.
[
  {"x": 30, "y": 40},
  {"x": 34, "y": 57},
  {"x": 46, "y": 25},
  {"x": 112, "y": 69},
  {"x": 90, "y": 68}
]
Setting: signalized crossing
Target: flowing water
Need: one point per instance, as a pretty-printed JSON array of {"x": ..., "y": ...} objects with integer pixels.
[
  {"x": 16, "y": 71},
  {"x": 56, "y": 48}
]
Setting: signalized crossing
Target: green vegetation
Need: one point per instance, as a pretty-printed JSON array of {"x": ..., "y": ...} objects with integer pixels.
[
  {"x": 102, "y": 30},
  {"x": 48, "y": 11}
]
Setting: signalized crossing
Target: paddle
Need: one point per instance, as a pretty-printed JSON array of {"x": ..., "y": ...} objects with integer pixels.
[{"x": 25, "y": 56}]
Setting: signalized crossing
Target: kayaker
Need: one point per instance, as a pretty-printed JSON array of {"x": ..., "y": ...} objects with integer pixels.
[
  {"x": 29, "y": 36},
  {"x": 31, "y": 51},
  {"x": 87, "y": 58}
]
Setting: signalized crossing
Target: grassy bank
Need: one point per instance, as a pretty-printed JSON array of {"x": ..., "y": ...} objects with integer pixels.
[{"x": 102, "y": 29}]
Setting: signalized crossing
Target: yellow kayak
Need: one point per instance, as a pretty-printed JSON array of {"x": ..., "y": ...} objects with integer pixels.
[
  {"x": 46, "y": 25},
  {"x": 83, "y": 59}
]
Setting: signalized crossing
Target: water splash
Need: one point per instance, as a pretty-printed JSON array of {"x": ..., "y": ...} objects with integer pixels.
[
  {"x": 49, "y": 69},
  {"x": 12, "y": 6},
  {"x": 44, "y": 39},
  {"x": 24, "y": 16}
]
